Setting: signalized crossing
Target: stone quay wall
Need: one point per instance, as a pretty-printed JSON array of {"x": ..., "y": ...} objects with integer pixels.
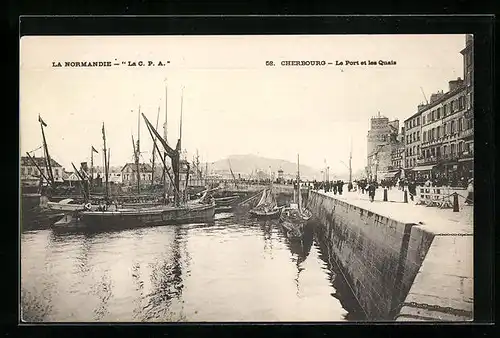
[{"x": 379, "y": 256}]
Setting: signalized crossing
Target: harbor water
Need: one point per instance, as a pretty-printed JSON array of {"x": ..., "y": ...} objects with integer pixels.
[{"x": 236, "y": 269}]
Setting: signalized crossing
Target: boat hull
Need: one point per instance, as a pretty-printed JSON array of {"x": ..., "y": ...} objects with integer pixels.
[
  {"x": 133, "y": 218},
  {"x": 266, "y": 215},
  {"x": 65, "y": 207},
  {"x": 294, "y": 222}
]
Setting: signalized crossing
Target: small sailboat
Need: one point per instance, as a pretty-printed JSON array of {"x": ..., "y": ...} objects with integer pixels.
[
  {"x": 294, "y": 217},
  {"x": 267, "y": 206}
]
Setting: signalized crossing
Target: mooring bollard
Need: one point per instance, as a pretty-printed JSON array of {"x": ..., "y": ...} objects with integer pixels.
[
  {"x": 406, "y": 196},
  {"x": 455, "y": 202},
  {"x": 385, "y": 194}
]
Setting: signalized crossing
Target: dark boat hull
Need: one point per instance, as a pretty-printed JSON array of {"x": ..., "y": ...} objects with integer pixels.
[
  {"x": 104, "y": 220},
  {"x": 294, "y": 223}
]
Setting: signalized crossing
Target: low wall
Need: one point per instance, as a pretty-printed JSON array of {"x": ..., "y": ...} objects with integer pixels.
[{"x": 378, "y": 256}]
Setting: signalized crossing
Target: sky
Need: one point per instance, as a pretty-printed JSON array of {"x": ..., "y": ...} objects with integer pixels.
[{"x": 232, "y": 103}]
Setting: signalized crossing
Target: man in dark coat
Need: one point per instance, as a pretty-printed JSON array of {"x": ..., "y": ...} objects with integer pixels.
[
  {"x": 341, "y": 187},
  {"x": 412, "y": 189},
  {"x": 371, "y": 191}
]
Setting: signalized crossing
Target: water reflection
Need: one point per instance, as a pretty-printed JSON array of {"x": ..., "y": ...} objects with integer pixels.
[{"x": 236, "y": 269}]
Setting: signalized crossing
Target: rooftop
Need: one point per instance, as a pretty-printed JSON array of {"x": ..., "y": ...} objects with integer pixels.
[
  {"x": 40, "y": 161},
  {"x": 144, "y": 167}
]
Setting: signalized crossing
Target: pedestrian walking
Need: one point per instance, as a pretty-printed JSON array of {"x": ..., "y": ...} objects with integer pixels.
[
  {"x": 470, "y": 192},
  {"x": 341, "y": 187},
  {"x": 371, "y": 191},
  {"x": 412, "y": 189}
]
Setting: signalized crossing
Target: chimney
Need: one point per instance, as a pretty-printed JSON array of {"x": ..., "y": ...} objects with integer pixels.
[
  {"x": 454, "y": 84},
  {"x": 435, "y": 96}
]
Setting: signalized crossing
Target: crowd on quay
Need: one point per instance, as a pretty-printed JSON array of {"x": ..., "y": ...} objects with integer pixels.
[{"x": 370, "y": 187}]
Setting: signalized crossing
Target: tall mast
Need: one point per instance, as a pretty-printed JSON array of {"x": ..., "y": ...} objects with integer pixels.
[
  {"x": 91, "y": 167},
  {"x": 299, "y": 196},
  {"x": 165, "y": 189},
  {"x": 154, "y": 150},
  {"x": 177, "y": 168},
  {"x": 138, "y": 151},
  {"x": 46, "y": 152},
  {"x": 105, "y": 161},
  {"x": 107, "y": 165}
]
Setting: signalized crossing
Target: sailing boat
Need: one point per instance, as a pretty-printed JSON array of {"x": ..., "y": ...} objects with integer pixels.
[
  {"x": 267, "y": 206},
  {"x": 182, "y": 212},
  {"x": 296, "y": 216}
]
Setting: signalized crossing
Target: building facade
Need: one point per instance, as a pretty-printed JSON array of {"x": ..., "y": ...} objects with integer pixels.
[
  {"x": 412, "y": 138},
  {"x": 466, "y": 158},
  {"x": 448, "y": 127},
  {"x": 382, "y": 141},
  {"x": 129, "y": 173},
  {"x": 30, "y": 175},
  {"x": 397, "y": 154}
]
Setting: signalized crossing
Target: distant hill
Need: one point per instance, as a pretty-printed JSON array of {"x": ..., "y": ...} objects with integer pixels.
[{"x": 248, "y": 164}]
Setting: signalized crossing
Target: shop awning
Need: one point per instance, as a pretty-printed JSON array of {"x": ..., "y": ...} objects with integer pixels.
[
  {"x": 465, "y": 159},
  {"x": 391, "y": 174},
  {"x": 423, "y": 168}
]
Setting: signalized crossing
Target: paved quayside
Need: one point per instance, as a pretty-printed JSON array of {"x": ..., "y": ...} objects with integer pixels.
[{"x": 443, "y": 287}]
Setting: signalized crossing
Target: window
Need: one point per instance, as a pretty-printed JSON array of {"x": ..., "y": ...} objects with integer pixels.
[
  {"x": 418, "y": 135},
  {"x": 453, "y": 149},
  {"x": 424, "y": 136},
  {"x": 423, "y": 119},
  {"x": 23, "y": 171},
  {"x": 450, "y": 108},
  {"x": 438, "y": 112},
  {"x": 453, "y": 126},
  {"x": 418, "y": 121},
  {"x": 438, "y": 132},
  {"x": 29, "y": 170},
  {"x": 56, "y": 171},
  {"x": 418, "y": 150}
]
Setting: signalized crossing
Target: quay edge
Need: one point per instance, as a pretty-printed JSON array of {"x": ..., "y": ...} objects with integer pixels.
[{"x": 397, "y": 270}]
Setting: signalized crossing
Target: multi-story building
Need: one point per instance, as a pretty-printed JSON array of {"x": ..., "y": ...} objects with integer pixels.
[
  {"x": 466, "y": 157},
  {"x": 412, "y": 139},
  {"x": 442, "y": 120},
  {"x": 382, "y": 138},
  {"x": 397, "y": 154},
  {"x": 446, "y": 126},
  {"x": 30, "y": 175}
]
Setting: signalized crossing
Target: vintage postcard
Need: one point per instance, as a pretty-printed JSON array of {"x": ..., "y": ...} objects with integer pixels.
[{"x": 247, "y": 178}]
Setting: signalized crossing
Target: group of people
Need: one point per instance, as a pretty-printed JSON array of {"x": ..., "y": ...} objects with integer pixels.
[{"x": 334, "y": 186}]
